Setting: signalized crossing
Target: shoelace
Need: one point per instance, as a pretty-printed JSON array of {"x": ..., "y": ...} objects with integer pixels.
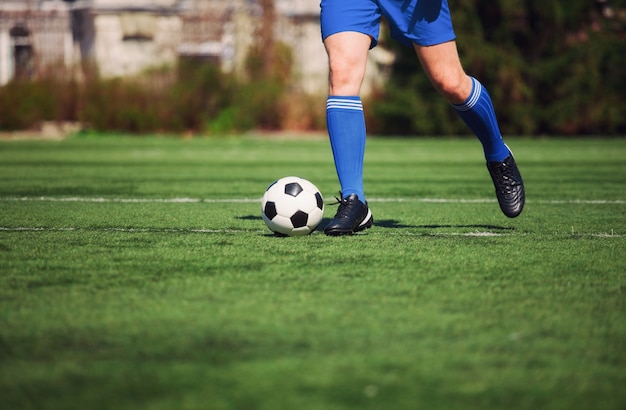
[
  {"x": 342, "y": 212},
  {"x": 505, "y": 174}
]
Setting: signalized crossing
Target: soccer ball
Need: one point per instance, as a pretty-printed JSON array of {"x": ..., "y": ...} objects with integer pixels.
[{"x": 292, "y": 206}]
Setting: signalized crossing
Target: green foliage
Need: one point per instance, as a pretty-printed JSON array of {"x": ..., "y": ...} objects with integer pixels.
[
  {"x": 550, "y": 67},
  {"x": 258, "y": 103},
  {"x": 159, "y": 100},
  {"x": 116, "y": 295},
  {"x": 24, "y": 104},
  {"x": 200, "y": 94},
  {"x": 195, "y": 97}
]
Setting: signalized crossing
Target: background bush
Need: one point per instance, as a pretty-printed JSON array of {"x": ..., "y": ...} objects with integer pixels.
[
  {"x": 194, "y": 97},
  {"x": 24, "y": 104},
  {"x": 550, "y": 67}
]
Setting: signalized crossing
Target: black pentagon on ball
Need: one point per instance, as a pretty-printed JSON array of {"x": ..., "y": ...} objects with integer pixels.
[
  {"x": 320, "y": 200},
  {"x": 293, "y": 189},
  {"x": 299, "y": 219},
  {"x": 270, "y": 210}
]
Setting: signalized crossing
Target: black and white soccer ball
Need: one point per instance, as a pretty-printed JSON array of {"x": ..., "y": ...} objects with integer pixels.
[{"x": 292, "y": 206}]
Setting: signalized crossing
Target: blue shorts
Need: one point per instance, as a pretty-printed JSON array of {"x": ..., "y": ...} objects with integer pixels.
[{"x": 424, "y": 22}]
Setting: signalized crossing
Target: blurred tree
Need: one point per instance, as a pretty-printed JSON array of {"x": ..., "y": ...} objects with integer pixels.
[{"x": 551, "y": 67}]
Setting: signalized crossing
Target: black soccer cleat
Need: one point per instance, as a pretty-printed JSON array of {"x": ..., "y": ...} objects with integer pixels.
[
  {"x": 352, "y": 216},
  {"x": 509, "y": 186}
]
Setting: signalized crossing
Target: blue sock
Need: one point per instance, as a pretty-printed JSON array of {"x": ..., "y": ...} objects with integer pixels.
[
  {"x": 346, "y": 129},
  {"x": 478, "y": 114}
]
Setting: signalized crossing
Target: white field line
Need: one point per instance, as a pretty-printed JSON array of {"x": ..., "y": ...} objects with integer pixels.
[
  {"x": 128, "y": 200},
  {"x": 492, "y": 234},
  {"x": 258, "y": 200},
  {"x": 493, "y": 200},
  {"x": 429, "y": 233},
  {"x": 124, "y": 230}
]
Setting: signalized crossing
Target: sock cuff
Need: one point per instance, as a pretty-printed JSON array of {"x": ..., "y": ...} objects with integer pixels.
[
  {"x": 473, "y": 98},
  {"x": 344, "y": 103}
]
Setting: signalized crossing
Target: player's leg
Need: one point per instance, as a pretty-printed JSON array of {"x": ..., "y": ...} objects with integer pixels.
[
  {"x": 473, "y": 104},
  {"x": 427, "y": 25},
  {"x": 349, "y": 29},
  {"x": 468, "y": 97},
  {"x": 347, "y": 57},
  {"x": 347, "y": 60}
]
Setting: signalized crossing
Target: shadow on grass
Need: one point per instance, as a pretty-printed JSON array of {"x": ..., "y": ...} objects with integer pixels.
[
  {"x": 250, "y": 218},
  {"x": 394, "y": 224}
]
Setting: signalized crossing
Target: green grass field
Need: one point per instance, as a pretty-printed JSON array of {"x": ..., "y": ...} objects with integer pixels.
[{"x": 137, "y": 273}]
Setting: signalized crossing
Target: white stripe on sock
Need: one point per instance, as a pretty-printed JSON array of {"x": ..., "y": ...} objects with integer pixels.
[
  {"x": 339, "y": 103},
  {"x": 473, "y": 99}
]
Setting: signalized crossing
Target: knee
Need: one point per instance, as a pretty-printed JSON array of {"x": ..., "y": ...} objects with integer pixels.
[
  {"x": 344, "y": 78},
  {"x": 455, "y": 88},
  {"x": 347, "y": 59}
]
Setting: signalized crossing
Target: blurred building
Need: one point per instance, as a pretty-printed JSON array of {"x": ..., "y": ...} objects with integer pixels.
[
  {"x": 34, "y": 36},
  {"x": 125, "y": 37}
]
